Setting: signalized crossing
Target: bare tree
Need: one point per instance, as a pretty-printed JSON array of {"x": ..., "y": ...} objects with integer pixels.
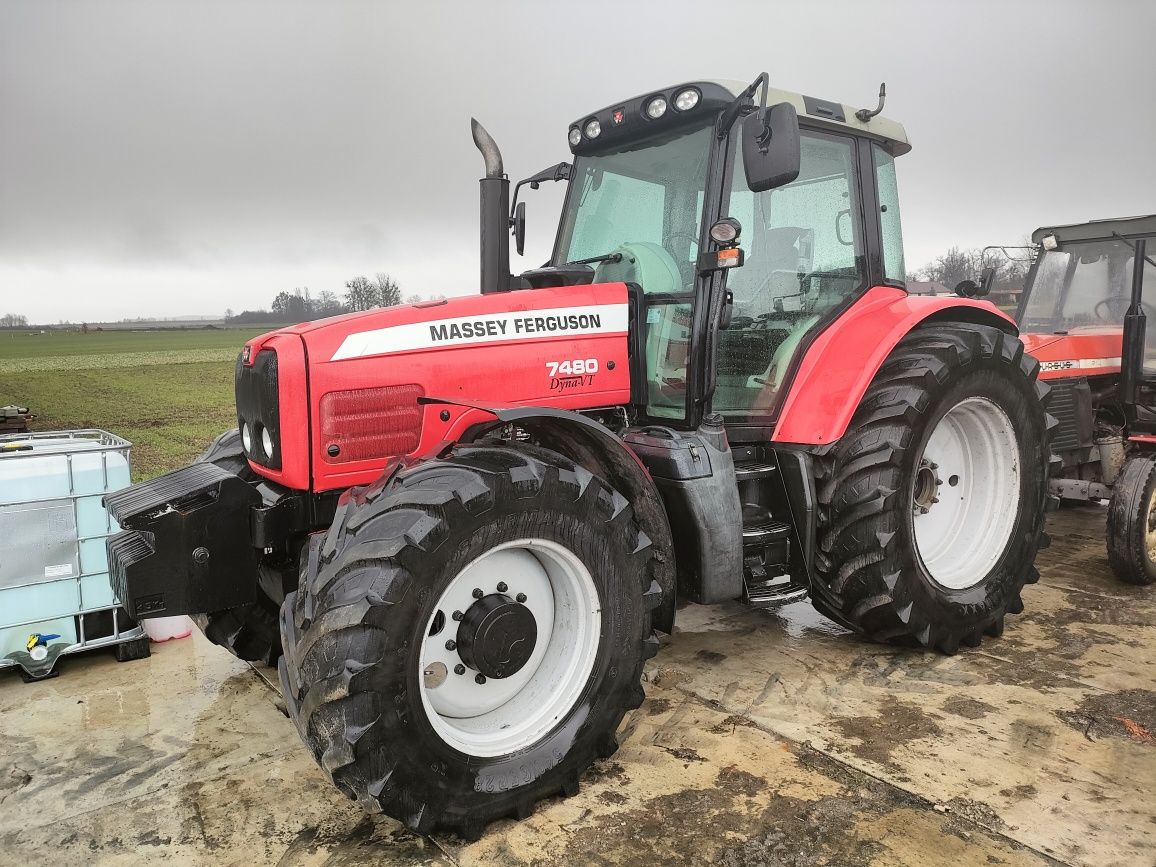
[
  {"x": 361, "y": 294},
  {"x": 327, "y": 304},
  {"x": 956, "y": 265},
  {"x": 389, "y": 293},
  {"x": 13, "y": 320}
]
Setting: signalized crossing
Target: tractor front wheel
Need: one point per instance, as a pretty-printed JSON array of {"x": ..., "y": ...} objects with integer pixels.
[
  {"x": 932, "y": 504},
  {"x": 468, "y": 635},
  {"x": 1131, "y": 533}
]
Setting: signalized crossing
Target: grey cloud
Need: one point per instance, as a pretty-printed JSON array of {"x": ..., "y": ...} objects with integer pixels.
[{"x": 332, "y": 138}]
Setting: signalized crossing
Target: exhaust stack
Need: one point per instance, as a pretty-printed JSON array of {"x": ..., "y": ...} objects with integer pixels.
[{"x": 495, "y": 209}]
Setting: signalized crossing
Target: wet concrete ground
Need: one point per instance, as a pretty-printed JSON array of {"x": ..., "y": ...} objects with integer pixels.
[{"x": 765, "y": 739}]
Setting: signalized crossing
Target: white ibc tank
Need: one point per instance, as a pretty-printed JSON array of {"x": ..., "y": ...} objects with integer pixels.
[{"x": 53, "y": 568}]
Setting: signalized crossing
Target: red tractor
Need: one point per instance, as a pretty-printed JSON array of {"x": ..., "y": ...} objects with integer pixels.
[
  {"x": 463, "y": 520},
  {"x": 1083, "y": 310}
]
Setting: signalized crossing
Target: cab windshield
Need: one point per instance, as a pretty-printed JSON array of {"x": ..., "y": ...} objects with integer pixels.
[
  {"x": 1086, "y": 284},
  {"x": 649, "y": 195}
]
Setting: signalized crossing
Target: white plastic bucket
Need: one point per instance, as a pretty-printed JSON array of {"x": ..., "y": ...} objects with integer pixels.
[{"x": 163, "y": 628}]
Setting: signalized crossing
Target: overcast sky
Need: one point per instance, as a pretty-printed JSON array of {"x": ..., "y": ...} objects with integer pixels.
[{"x": 165, "y": 159}]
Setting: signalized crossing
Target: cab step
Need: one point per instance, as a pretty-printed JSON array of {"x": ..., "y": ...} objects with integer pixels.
[{"x": 767, "y": 581}]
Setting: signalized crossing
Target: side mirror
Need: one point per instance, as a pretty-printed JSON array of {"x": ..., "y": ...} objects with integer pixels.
[
  {"x": 771, "y": 147},
  {"x": 986, "y": 278},
  {"x": 520, "y": 227},
  {"x": 971, "y": 289}
]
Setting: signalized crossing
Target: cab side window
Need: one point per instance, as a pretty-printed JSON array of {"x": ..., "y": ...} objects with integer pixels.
[
  {"x": 885, "y": 181},
  {"x": 802, "y": 242}
]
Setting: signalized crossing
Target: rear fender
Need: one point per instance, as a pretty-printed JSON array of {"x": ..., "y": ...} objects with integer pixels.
[
  {"x": 841, "y": 362},
  {"x": 595, "y": 447}
]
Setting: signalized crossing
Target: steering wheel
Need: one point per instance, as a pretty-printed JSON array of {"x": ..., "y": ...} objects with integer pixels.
[
  {"x": 685, "y": 267},
  {"x": 1122, "y": 303},
  {"x": 684, "y": 235}
]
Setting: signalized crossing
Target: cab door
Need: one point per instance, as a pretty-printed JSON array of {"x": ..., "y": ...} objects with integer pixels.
[{"x": 805, "y": 247}]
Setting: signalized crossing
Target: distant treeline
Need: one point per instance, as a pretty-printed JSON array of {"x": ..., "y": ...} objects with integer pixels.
[{"x": 361, "y": 293}]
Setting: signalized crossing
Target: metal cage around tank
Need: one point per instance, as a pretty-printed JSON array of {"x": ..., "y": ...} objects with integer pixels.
[{"x": 55, "y": 596}]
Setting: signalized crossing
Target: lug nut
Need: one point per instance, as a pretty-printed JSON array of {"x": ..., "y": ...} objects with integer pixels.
[
  {"x": 457, "y": 615},
  {"x": 478, "y": 594},
  {"x": 521, "y": 597},
  {"x": 459, "y": 669},
  {"x": 479, "y": 678},
  {"x": 502, "y": 588},
  {"x": 451, "y": 645}
]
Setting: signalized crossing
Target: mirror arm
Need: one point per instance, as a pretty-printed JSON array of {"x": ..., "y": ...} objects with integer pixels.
[
  {"x": 559, "y": 172},
  {"x": 732, "y": 112},
  {"x": 865, "y": 114}
]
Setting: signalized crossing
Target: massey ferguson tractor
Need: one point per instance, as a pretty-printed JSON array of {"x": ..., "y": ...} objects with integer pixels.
[
  {"x": 1084, "y": 309},
  {"x": 456, "y": 525}
]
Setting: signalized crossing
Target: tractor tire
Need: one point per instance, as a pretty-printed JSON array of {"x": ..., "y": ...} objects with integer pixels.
[
  {"x": 1131, "y": 532},
  {"x": 387, "y": 641},
  {"x": 249, "y": 632},
  {"x": 912, "y": 551}
]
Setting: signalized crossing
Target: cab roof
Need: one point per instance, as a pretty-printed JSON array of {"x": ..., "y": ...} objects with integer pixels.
[
  {"x": 834, "y": 113},
  {"x": 626, "y": 121},
  {"x": 1128, "y": 227}
]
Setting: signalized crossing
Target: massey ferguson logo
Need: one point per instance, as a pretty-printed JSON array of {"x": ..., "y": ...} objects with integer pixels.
[
  {"x": 497, "y": 326},
  {"x": 558, "y": 322}
]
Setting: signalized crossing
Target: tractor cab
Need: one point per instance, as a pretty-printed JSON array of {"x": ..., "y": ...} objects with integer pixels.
[
  {"x": 1077, "y": 299},
  {"x": 660, "y": 185},
  {"x": 1082, "y": 275}
]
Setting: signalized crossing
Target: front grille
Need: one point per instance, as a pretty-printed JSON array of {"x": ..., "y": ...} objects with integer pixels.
[
  {"x": 370, "y": 423},
  {"x": 259, "y": 406},
  {"x": 1070, "y": 404}
]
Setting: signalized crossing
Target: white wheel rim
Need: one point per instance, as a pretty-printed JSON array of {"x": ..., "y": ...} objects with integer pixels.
[
  {"x": 504, "y": 715},
  {"x": 966, "y": 493}
]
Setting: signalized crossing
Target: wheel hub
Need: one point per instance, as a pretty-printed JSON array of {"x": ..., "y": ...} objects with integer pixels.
[
  {"x": 497, "y": 636},
  {"x": 926, "y": 491}
]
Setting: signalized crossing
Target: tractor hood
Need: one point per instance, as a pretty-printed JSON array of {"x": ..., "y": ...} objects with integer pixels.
[{"x": 341, "y": 397}]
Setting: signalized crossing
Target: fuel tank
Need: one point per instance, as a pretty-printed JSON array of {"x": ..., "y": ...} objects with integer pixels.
[{"x": 329, "y": 404}]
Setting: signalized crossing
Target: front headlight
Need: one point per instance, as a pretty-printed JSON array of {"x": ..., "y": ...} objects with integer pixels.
[
  {"x": 267, "y": 442},
  {"x": 246, "y": 439}
]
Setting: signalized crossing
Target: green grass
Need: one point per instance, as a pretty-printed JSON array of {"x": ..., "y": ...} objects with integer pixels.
[
  {"x": 156, "y": 389},
  {"x": 30, "y": 344}
]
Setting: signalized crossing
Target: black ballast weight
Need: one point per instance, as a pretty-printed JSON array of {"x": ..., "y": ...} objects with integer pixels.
[{"x": 185, "y": 547}]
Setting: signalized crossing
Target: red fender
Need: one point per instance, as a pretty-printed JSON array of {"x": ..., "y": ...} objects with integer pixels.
[{"x": 843, "y": 359}]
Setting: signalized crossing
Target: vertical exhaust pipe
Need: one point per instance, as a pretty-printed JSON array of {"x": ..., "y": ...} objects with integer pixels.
[{"x": 495, "y": 208}]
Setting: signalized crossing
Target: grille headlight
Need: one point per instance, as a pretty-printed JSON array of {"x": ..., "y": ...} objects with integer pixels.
[
  {"x": 246, "y": 439},
  {"x": 687, "y": 99},
  {"x": 593, "y": 128},
  {"x": 267, "y": 442},
  {"x": 656, "y": 108}
]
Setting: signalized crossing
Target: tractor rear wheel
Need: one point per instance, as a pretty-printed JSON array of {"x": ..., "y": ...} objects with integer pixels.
[
  {"x": 249, "y": 632},
  {"x": 932, "y": 504},
  {"x": 468, "y": 635},
  {"x": 1131, "y": 533}
]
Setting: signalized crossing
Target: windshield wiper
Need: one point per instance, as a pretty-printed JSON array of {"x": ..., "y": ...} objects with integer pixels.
[{"x": 605, "y": 257}]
